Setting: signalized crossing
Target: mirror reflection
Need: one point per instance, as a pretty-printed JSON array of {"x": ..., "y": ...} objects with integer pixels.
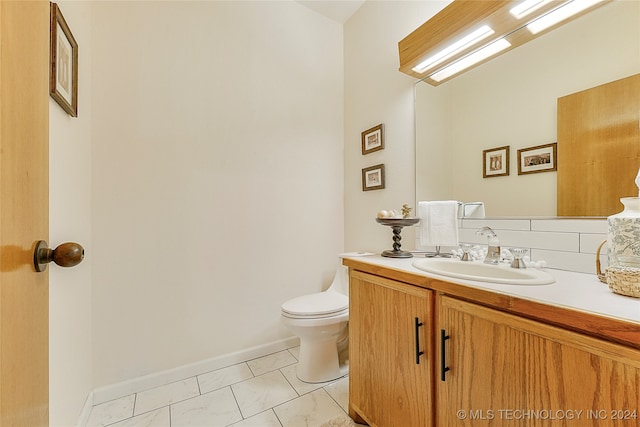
[{"x": 512, "y": 101}]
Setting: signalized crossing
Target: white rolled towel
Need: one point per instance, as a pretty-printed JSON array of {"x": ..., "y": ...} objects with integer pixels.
[{"x": 438, "y": 223}]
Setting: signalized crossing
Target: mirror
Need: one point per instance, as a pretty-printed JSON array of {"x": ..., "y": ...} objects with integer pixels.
[{"x": 511, "y": 101}]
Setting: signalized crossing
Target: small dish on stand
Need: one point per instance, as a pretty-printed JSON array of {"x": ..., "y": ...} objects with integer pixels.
[{"x": 396, "y": 225}]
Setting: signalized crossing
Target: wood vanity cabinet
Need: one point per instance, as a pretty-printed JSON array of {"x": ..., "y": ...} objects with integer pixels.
[
  {"x": 504, "y": 369},
  {"x": 499, "y": 369},
  {"x": 390, "y": 325}
]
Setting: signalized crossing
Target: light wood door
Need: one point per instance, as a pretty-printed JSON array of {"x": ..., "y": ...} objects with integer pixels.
[
  {"x": 387, "y": 385},
  {"x": 506, "y": 370},
  {"x": 24, "y": 294},
  {"x": 598, "y": 132}
]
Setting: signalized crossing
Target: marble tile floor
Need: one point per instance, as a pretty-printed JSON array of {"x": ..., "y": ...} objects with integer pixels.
[{"x": 263, "y": 392}]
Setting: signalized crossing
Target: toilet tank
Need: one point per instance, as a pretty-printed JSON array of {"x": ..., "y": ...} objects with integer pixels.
[{"x": 340, "y": 280}]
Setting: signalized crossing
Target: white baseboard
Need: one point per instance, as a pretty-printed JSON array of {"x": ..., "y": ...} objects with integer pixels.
[
  {"x": 135, "y": 385},
  {"x": 86, "y": 411}
]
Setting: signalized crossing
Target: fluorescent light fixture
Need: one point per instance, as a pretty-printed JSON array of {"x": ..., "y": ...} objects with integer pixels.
[
  {"x": 466, "y": 62},
  {"x": 560, "y": 14},
  {"x": 446, "y": 53},
  {"x": 527, "y": 7}
]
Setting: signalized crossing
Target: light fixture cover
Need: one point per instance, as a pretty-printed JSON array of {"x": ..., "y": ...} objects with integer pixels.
[
  {"x": 470, "y": 39},
  {"x": 560, "y": 14},
  {"x": 466, "y": 62},
  {"x": 527, "y": 7}
]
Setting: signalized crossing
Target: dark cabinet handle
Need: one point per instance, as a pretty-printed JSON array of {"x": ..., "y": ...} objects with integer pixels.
[
  {"x": 443, "y": 354},
  {"x": 418, "y": 352}
]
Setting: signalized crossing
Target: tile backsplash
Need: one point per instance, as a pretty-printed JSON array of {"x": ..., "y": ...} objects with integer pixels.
[{"x": 564, "y": 243}]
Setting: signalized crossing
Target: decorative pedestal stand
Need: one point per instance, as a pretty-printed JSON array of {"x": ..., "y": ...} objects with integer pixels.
[{"x": 396, "y": 225}]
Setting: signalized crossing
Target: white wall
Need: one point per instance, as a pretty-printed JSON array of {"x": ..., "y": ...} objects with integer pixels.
[
  {"x": 70, "y": 360},
  {"x": 434, "y": 145},
  {"x": 217, "y": 175},
  {"x": 376, "y": 92}
]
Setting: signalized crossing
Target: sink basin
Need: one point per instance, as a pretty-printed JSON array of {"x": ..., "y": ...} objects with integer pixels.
[{"x": 476, "y": 270}]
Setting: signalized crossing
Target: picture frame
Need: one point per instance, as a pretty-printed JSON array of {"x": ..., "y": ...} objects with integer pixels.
[
  {"x": 495, "y": 162},
  {"x": 373, "y": 178},
  {"x": 541, "y": 158},
  {"x": 63, "y": 68},
  {"x": 373, "y": 139}
]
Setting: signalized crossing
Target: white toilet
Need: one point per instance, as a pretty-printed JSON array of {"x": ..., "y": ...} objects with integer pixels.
[{"x": 320, "y": 321}]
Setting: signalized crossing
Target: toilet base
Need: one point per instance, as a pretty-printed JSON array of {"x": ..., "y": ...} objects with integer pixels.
[{"x": 323, "y": 360}]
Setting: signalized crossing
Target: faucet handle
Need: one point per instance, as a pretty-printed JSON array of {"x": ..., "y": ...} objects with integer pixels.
[
  {"x": 518, "y": 254},
  {"x": 466, "y": 247}
]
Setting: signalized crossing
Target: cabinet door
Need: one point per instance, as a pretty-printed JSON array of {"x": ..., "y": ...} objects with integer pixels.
[
  {"x": 485, "y": 367},
  {"x": 390, "y": 384},
  {"x": 588, "y": 381},
  {"x": 505, "y": 369}
]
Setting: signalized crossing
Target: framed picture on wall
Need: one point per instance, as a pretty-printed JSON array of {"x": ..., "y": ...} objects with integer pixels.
[
  {"x": 373, "y": 178},
  {"x": 541, "y": 158},
  {"x": 495, "y": 162},
  {"x": 63, "y": 68},
  {"x": 373, "y": 139}
]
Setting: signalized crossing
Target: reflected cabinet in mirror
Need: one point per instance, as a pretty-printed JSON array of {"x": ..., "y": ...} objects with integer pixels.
[
  {"x": 598, "y": 132},
  {"x": 512, "y": 101}
]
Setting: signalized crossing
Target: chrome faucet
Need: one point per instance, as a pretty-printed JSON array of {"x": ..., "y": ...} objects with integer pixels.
[{"x": 493, "y": 252}]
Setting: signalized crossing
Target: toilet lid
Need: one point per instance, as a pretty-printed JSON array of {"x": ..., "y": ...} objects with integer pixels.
[{"x": 322, "y": 303}]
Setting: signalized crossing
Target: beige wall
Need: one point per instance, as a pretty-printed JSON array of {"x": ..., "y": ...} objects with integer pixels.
[
  {"x": 217, "y": 188},
  {"x": 217, "y": 172},
  {"x": 376, "y": 92},
  {"x": 70, "y": 323}
]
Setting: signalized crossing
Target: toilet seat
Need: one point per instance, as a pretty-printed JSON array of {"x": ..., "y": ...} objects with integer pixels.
[{"x": 318, "y": 305}]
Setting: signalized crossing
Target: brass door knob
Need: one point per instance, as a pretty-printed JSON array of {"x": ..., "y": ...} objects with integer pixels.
[{"x": 65, "y": 255}]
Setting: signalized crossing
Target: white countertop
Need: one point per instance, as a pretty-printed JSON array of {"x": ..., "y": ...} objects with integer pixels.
[{"x": 576, "y": 291}]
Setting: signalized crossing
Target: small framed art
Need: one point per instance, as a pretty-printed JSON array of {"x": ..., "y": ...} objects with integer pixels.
[
  {"x": 541, "y": 158},
  {"x": 495, "y": 162},
  {"x": 373, "y": 139},
  {"x": 63, "y": 68},
  {"x": 373, "y": 178}
]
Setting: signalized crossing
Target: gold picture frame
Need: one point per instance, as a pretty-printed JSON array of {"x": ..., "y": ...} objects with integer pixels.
[
  {"x": 495, "y": 162},
  {"x": 373, "y": 139},
  {"x": 373, "y": 178},
  {"x": 541, "y": 158},
  {"x": 63, "y": 70}
]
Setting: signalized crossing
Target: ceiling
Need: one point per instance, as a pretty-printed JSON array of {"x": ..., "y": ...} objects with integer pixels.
[{"x": 337, "y": 10}]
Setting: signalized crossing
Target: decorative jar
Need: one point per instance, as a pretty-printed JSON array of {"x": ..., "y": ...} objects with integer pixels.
[{"x": 623, "y": 238}]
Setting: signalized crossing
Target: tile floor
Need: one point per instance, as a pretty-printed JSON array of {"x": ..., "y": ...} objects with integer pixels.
[{"x": 263, "y": 392}]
